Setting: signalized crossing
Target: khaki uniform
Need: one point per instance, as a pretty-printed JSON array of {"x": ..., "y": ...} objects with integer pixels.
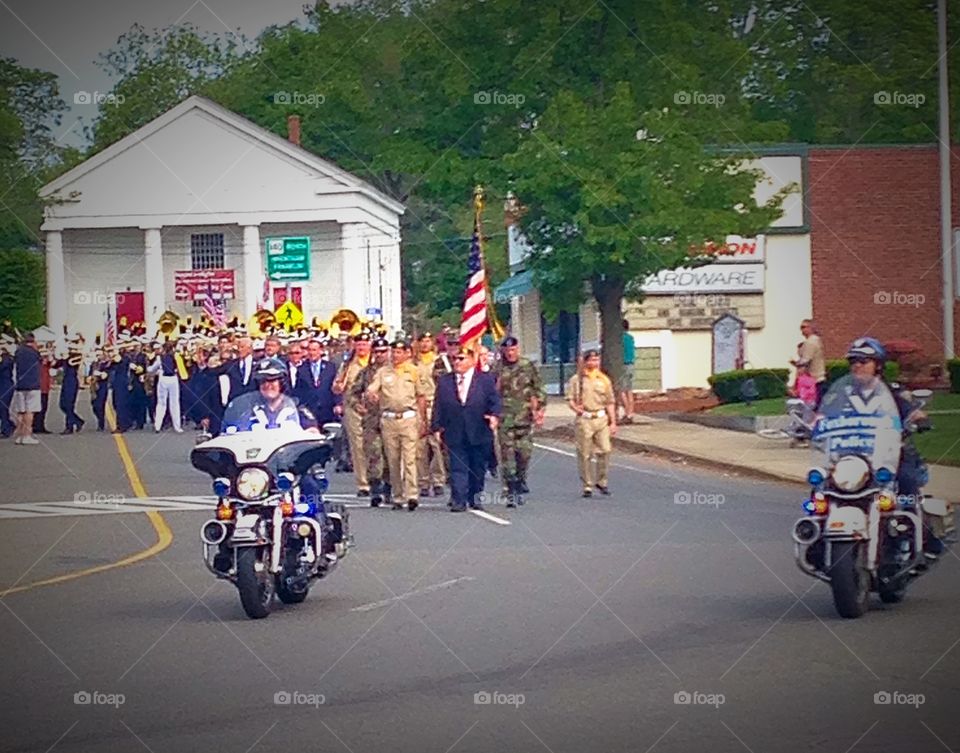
[
  {"x": 400, "y": 389},
  {"x": 593, "y": 427},
  {"x": 372, "y": 439},
  {"x": 431, "y": 470},
  {"x": 353, "y": 424}
]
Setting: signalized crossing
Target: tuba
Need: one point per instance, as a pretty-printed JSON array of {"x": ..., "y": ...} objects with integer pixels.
[
  {"x": 261, "y": 324},
  {"x": 168, "y": 323},
  {"x": 346, "y": 323}
]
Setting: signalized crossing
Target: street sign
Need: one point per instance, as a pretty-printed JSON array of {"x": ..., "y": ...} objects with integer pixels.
[
  {"x": 728, "y": 350},
  {"x": 280, "y": 297},
  {"x": 373, "y": 312},
  {"x": 289, "y": 316},
  {"x": 288, "y": 258}
]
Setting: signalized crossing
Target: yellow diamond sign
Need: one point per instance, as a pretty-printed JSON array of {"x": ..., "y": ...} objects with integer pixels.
[{"x": 289, "y": 316}]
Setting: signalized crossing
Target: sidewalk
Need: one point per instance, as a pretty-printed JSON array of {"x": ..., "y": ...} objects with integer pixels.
[{"x": 735, "y": 450}]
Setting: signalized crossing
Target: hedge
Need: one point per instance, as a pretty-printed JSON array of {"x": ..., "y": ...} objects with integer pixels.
[
  {"x": 839, "y": 367},
  {"x": 769, "y": 383},
  {"x": 953, "y": 366}
]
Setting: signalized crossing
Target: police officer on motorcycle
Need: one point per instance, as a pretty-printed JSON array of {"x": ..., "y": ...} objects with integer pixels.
[
  {"x": 270, "y": 408},
  {"x": 867, "y": 357}
]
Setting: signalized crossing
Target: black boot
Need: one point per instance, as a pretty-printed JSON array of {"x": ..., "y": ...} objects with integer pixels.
[
  {"x": 512, "y": 493},
  {"x": 376, "y": 494}
]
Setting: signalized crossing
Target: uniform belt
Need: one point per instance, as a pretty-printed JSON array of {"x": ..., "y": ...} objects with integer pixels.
[
  {"x": 593, "y": 413},
  {"x": 398, "y": 414}
]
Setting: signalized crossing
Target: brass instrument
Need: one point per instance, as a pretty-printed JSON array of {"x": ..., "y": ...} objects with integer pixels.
[
  {"x": 168, "y": 323},
  {"x": 346, "y": 322},
  {"x": 261, "y": 324}
]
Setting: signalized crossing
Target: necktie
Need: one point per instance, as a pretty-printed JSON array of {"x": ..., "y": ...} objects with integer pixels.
[
  {"x": 243, "y": 370},
  {"x": 460, "y": 391},
  {"x": 316, "y": 373}
]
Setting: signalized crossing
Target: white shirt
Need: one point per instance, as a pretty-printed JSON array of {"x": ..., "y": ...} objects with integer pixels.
[
  {"x": 463, "y": 385},
  {"x": 247, "y": 368}
]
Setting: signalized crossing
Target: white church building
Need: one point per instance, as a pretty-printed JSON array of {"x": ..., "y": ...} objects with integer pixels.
[{"x": 201, "y": 201}]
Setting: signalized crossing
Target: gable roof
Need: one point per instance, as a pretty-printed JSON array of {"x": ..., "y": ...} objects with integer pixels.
[{"x": 233, "y": 121}]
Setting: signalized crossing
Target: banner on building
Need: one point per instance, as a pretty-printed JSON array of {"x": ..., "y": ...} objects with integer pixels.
[{"x": 194, "y": 284}]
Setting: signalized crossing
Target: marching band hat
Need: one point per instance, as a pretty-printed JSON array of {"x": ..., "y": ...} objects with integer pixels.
[{"x": 400, "y": 343}]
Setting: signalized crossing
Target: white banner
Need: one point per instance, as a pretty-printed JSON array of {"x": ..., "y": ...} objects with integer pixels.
[{"x": 712, "y": 278}]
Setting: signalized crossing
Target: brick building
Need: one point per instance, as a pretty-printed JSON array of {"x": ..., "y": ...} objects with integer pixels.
[{"x": 875, "y": 237}]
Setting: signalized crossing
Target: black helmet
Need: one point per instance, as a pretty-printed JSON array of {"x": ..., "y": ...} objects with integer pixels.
[{"x": 269, "y": 369}]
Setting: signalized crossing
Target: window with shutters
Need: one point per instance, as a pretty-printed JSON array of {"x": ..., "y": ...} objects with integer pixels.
[{"x": 206, "y": 251}]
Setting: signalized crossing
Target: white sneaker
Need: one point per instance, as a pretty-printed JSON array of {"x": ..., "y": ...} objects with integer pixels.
[
  {"x": 18, "y": 440},
  {"x": 179, "y": 431},
  {"x": 29, "y": 440}
]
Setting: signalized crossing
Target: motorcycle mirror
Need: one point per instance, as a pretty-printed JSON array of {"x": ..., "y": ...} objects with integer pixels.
[{"x": 922, "y": 394}]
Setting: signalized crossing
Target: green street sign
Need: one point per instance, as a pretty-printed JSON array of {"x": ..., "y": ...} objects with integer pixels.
[{"x": 288, "y": 259}]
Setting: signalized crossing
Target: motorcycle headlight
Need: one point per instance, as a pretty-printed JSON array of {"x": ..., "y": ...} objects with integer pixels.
[
  {"x": 851, "y": 473},
  {"x": 253, "y": 483}
]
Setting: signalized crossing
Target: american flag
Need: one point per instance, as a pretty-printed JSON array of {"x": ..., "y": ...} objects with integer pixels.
[
  {"x": 109, "y": 330},
  {"x": 265, "y": 295},
  {"x": 473, "y": 323},
  {"x": 214, "y": 309}
]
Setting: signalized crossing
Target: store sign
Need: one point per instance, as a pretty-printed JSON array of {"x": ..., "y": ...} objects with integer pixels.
[
  {"x": 288, "y": 258},
  {"x": 196, "y": 284},
  {"x": 737, "y": 267},
  {"x": 712, "y": 278}
]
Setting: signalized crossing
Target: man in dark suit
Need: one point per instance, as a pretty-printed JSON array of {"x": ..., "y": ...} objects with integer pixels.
[
  {"x": 314, "y": 384},
  {"x": 466, "y": 411},
  {"x": 240, "y": 369}
]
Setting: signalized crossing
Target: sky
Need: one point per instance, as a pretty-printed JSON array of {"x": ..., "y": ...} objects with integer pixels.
[{"x": 66, "y": 38}]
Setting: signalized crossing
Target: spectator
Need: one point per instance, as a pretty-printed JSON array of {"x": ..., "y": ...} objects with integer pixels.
[
  {"x": 811, "y": 356},
  {"x": 626, "y": 379},
  {"x": 805, "y": 387},
  {"x": 28, "y": 365}
]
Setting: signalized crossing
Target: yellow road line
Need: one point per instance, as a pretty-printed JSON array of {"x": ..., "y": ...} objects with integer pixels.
[{"x": 164, "y": 534}]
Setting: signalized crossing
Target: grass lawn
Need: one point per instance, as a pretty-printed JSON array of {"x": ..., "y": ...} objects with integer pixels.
[{"x": 942, "y": 445}]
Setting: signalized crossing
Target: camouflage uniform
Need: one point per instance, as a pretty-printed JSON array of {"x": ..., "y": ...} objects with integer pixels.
[
  {"x": 377, "y": 471},
  {"x": 519, "y": 383}
]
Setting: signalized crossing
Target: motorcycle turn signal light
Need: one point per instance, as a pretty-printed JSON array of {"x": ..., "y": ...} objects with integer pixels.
[
  {"x": 224, "y": 512},
  {"x": 886, "y": 502},
  {"x": 286, "y": 508}
]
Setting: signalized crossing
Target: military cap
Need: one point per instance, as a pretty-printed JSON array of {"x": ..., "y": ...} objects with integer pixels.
[
  {"x": 400, "y": 343},
  {"x": 591, "y": 352},
  {"x": 425, "y": 336},
  {"x": 363, "y": 337},
  {"x": 381, "y": 344},
  {"x": 509, "y": 342}
]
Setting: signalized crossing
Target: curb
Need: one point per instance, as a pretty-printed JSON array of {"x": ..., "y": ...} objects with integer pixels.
[{"x": 565, "y": 433}]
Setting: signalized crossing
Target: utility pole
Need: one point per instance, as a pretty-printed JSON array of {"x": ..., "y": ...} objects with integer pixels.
[{"x": 946, "y": 220}]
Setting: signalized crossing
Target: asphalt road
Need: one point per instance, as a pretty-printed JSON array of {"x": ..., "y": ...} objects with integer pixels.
[{"x": 583, "y": 620}]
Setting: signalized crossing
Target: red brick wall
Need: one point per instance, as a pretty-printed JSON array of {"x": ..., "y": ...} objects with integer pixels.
[{"x": 875, "y": 243}]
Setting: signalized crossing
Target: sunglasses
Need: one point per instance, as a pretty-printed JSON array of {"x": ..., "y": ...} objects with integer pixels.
[{"x": 859, "y": 360}]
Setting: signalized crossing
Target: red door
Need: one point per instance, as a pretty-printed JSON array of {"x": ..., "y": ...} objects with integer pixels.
[{"x": 130, "y": 305}]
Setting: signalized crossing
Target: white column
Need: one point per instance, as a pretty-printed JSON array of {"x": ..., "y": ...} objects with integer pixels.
[
  {"x": 56, "y": 282},
  {"x": 353, "y": 246},
  {"x": 253, "y": 270},
  {"x": 392, "y": 284},
  {"x": 154, "y": 292}
]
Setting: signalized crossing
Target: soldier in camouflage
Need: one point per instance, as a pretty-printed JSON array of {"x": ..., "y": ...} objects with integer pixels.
[
  {"x": 524, "y": 403},
  {"x": 377, "y": 471}
]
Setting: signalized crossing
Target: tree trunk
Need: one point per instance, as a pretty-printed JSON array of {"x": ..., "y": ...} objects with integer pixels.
[{"x": 608, "y": 293}]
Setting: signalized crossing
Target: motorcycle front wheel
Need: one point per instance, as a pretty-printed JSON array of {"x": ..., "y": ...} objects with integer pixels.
[
  {"x": 850, "y": 584},
  {"x": 256, "y": 588}
]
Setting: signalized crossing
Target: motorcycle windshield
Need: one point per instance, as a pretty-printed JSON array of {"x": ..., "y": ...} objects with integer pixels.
[
  {"x": 248, "y": 412},
  {"x": 239, "y": 412},
  {"x": 857, "y": 421}
]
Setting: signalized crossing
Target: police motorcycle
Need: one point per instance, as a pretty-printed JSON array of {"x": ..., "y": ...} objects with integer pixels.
[
  {"x": 273, "y": 534},
  {"x": 859, "y": 533}
]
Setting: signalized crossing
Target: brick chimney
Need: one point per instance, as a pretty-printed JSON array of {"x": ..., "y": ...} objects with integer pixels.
[{"x": 293, "y": 129}]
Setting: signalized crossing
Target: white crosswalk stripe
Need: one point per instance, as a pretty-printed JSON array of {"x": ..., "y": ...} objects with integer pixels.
[{"x": 131, "y": 505}]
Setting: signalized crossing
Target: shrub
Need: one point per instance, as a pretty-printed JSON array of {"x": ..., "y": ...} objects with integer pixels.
[
  {"x": 953, "y": 366},
  {"x": 839, "y": 367},
  {"x": 769, "y": 383}
]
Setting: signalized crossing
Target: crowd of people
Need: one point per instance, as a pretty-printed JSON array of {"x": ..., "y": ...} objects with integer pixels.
[{"x": 407, "y": 436}]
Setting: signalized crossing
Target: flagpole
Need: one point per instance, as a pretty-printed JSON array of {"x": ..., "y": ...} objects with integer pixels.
[{"x": 946, "y": 219}]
